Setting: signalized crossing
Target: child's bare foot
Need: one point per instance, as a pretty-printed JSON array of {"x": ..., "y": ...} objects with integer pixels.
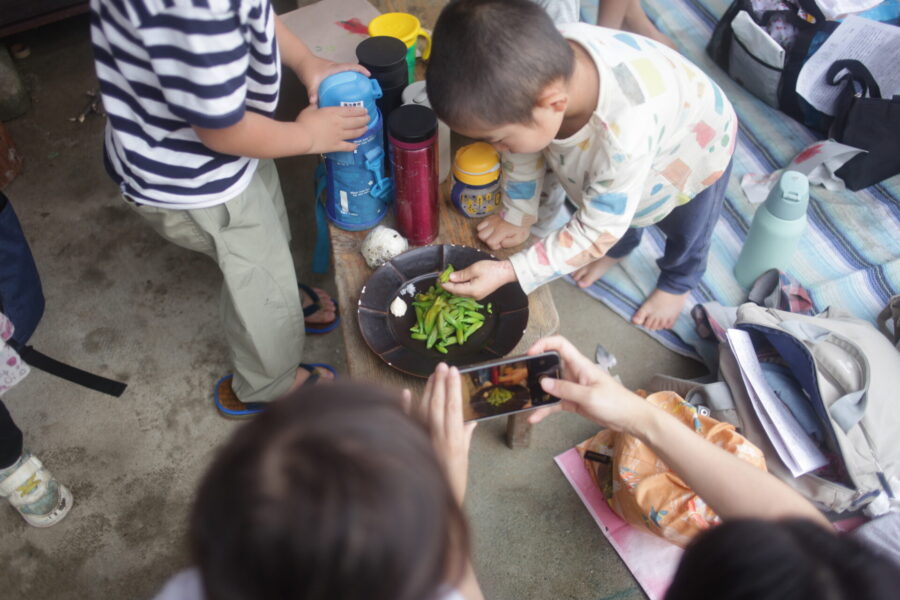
[
  {"x": 660, "y": 310},
  {"x": 303, "y": 374},
  {"x": 591, "y": 272},
  {"x": 325, "y": 314}
]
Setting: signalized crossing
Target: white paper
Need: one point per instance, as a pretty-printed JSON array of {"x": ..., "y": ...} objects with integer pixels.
[
  {"x": 793, "y": 445},
  {"x": 758, "y": 40},
  {"x": 874, "y": 44},
  {"x": 832, "y": 9}
]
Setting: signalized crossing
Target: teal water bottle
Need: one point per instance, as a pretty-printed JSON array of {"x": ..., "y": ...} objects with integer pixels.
[{"x": 776, "y": 229}]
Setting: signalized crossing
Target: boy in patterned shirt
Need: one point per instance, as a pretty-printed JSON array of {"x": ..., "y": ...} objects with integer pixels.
[{"x": 635, "y": 133}]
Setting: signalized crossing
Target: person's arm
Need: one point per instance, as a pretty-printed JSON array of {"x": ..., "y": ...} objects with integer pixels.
[
  {"x": 209, "y": 90},
  {"x": 611, "y": 13},
  {"x": 522, "y": 177},
  {"x": 732, "y": 487},
  {"x": 315, "y": 131},
  {"x": 609, "y": 203},
  {"x": 441, "y": 410}
]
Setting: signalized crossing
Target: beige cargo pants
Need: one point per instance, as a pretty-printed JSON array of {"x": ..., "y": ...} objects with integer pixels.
[{"x": 248, "y": 236}]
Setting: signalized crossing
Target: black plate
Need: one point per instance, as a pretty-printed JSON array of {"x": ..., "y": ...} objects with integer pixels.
[{"x": 388, "y": 336}]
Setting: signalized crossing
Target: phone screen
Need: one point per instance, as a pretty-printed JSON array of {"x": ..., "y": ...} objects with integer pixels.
[{"x": 507, "y": 386}]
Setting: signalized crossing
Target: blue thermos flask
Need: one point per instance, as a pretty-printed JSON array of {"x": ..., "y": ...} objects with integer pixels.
[
  {"x": 777, "y": 227},
  {"x": 358, "y": 192}
]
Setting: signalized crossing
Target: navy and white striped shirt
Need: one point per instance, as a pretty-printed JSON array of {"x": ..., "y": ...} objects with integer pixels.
[{"x": 165, "y": 65}]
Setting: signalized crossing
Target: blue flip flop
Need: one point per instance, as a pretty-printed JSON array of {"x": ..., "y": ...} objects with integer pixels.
[
  {"x": 319, "y": 328},
  {"x": 228, "y": 404}
]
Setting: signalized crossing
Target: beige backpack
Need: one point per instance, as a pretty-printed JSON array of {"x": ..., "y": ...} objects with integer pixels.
[{"x": 850, "y": 374}]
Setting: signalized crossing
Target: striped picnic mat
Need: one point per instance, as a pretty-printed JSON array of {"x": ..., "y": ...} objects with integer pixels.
[{"x": 850, "y": 254}]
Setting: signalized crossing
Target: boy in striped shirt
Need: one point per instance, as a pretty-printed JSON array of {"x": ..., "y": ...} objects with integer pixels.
[{"x": 190, "y": 87}]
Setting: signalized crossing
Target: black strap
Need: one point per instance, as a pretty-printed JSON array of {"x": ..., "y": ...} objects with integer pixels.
[
  {"x": 43, "y": 362},
  {"x": 857, "y": 73}
]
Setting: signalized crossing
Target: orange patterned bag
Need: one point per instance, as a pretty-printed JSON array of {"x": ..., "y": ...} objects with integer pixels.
[{"x": 642, "y": 490}]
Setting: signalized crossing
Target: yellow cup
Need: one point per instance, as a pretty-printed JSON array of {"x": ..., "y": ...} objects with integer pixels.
[{"x": 405, "y": 28}]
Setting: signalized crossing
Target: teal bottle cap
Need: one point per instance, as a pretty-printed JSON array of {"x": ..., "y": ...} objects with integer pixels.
[{"x": 789, "y": 198}]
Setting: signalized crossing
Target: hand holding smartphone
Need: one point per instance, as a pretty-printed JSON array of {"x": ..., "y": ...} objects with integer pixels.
[{"x": 507, "y": 386}]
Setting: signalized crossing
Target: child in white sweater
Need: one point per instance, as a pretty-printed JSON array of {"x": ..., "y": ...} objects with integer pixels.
[{"x": 635, "y": 133}]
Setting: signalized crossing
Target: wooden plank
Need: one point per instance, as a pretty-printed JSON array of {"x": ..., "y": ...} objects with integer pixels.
[{"x": 351, "y": 273}]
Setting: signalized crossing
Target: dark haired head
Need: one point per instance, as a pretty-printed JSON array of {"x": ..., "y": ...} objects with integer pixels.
[
  {"x": 332, "y": 492},
  {"x": 789, "y": 560},
  {"x": 490, "y": 60}
]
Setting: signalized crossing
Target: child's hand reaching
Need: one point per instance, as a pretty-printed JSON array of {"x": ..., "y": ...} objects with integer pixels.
[
  {"x": 314, "y": 69},
  {"x": 497, "y": 233},
  {"x": 480, "y": 279},
  {"x": 326, "y": 129}
]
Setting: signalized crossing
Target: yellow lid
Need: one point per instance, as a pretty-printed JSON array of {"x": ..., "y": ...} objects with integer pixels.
[
  {"x": 477, "y": 164},
  {"x": 402, "y": 26}
]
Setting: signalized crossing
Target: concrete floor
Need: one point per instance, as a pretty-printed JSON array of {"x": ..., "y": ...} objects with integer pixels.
[{"x": 122, "y": 302}]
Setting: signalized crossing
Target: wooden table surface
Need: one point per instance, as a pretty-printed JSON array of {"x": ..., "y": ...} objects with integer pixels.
[{"x": 351, "y": 273}]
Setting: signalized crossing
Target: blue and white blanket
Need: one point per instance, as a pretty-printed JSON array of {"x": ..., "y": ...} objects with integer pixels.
[{"x": 850, "y": 255}]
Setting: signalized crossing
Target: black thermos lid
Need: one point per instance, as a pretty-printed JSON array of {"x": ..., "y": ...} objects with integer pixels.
[
  {"x": 385, "y": 58},
  {"x": 412, "y": 123}
]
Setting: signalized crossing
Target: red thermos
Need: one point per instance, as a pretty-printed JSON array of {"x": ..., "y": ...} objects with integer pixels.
[{"x": 412, "y": 133}]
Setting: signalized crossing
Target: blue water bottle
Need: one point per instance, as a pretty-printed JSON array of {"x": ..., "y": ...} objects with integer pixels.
[
  {"x": 358, "y": 192},
  {"x": 776, "y": 230}
]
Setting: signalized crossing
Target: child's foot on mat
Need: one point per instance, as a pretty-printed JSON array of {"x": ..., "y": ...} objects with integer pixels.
[
  {"x": 303, "y": 375},
  {"x": 591, "y": 272},
  {"x": 660, "y": 310},
  {"x": 327, "y": 310}
]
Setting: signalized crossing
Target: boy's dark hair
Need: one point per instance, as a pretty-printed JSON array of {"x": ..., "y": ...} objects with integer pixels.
[
  {"x": 490, "y": 60},
  {"x": 332, "y": 492},
  {"x": 788, "y": 560}
]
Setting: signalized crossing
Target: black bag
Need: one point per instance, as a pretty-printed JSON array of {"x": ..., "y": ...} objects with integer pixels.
[
  {"x": 776, "y": 85},
  {"x": 865, "y": 120},
  {"x": 22, "y": 300}
]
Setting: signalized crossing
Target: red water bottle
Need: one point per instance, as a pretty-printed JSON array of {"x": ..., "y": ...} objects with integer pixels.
[{"x": 412, "y": 133}]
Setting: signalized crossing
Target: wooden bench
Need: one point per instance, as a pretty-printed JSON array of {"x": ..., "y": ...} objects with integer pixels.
[{"x": 351, "y": 273}]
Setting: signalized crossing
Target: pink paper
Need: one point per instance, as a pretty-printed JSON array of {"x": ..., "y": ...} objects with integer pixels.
[{"x": 651, "y": 559}]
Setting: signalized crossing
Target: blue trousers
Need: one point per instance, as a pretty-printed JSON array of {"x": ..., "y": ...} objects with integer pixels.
[{"x": 688, "y": 231}]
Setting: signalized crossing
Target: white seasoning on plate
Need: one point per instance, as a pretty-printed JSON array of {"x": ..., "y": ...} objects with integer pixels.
[{"x": 398, "y": 307}]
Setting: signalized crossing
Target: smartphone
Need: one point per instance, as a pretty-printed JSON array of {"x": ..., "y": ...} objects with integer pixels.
[{"x": 508, "y": 385}]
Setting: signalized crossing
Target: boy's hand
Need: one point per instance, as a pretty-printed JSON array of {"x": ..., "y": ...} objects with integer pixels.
[
  {"x": 497, "y": 233},
  {"x": 481, "y": 278},
  {"x": 326, "y": 129},
  {"x": 314, "y": 69}
]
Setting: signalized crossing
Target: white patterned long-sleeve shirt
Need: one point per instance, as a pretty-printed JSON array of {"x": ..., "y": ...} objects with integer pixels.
[{"x": 662, "y": 132}]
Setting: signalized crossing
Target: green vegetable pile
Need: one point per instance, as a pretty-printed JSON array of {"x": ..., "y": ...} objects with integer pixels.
[
  {"x": 498, "y": 396},
  {"x": 443, "y": 319}
]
